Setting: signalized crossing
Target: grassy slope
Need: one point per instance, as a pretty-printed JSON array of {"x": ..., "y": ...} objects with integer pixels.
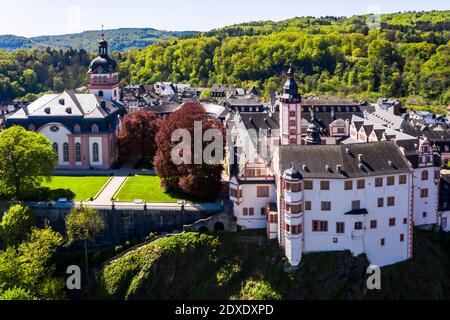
[
  {"x": 194, "y": 266},
  {"x": 83, "y": 187}
]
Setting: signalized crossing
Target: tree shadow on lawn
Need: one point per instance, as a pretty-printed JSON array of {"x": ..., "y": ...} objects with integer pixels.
[
  {"x": 47, "y": 194},
  {"x": 177, "y": 194}
]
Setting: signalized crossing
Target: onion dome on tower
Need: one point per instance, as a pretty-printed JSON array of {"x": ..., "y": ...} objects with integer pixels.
[
  {"x": 103, "y": 63},
  {"x": 313, "y": 137},
  {"x": 290, "y": 89},
  {"x": 292, "y": 174}
]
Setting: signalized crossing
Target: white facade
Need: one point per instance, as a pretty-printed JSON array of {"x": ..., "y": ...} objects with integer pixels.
[
  {"x": 59, "y": 137},
  {"x": 369, "y": 239}
]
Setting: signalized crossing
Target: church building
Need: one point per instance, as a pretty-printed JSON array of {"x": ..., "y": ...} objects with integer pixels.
[{"x": 82, "y": 128}]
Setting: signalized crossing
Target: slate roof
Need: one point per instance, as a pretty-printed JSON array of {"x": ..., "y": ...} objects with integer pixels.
[
  {"x": 261, "y": 120},
  {"x": 242, "y": 102},
  {"x": 68, "y": 104},
  {"x": 322, "y": 161}
]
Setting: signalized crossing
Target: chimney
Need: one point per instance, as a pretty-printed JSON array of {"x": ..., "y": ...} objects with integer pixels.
[
  {"x": 339, "y": 168},
  {"x": 103, "y": 104},
  {"x": 360, "y": 158},
  {"x": 332, "y": 112}
]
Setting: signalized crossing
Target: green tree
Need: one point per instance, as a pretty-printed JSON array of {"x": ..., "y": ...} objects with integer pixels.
[
  {"x": 82, "y": 224},
  {"x": 26, "y": 159},
  {"x": 16, "y": 294},
  {"x": 16, "y": 224},
  {"x": 206, "y": 94},
  {"x": 30, "y": 267},
  {"x": 30, "y": 79}
]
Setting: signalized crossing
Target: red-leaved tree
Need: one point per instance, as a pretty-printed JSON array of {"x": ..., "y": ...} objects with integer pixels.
[
  {"x": 137, "y": 138},
  {"x": 202, "y": 181}
]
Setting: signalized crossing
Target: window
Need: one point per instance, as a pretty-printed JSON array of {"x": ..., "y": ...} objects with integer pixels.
[
  {"x": 94, "y": 128},
  {"x": 425, "y": 175},
  {"x": 358, "y": 225},
  {"x": 340, "y": 227},
  {"x": 378, "y": 182},
  {"x": 361, "y": 184},
  {"x": 262, "y": 192},
  {"x": 380, "y": 202},
  {"x": 263, "y": 212},
  {"x": 424, "y": 215},
  {"x": 294, "y": 209},
  {"x": 77, "y": 128},
  {"x": 390, "y": 181},
  {"x": 273, "y": 218},
  {"x": 356, "y": 205},
  {"x": 293, "y": 123},
  {"x": 95, "y": 152},
  {"x": 324, "y": 185},
  {"x": 293, "y": 141},
  {"x": 308, "y": 185},
  {"x": 250, "y": 173},
  {"x": 55, "y": 148},
  {"x": 245, "y": 211},
  {"x": 292, "y": 132},
  {"x": 320, "y": 226},
  {"x": 341, "y": 130},
  {"x": 405, "y": 221},
  {"x": 424, "y": 193},
  {"x": 326, "y": 206},
  {"x": 373, "y": 224},
  {"x": 402, "y": 179},
  {"x": 308, "y": 205},
  {"x": 78, "y": 152},
  {"x": 66, "y": 152},
  {"x": 391, "y": 201},
  {"x": 251, "y": 211},
  {"x": 402, "y": 238},
  {"x": 292, "y": 114},
  {"x": 348, "y": 185},
  {"x": 383, "y": 242},
  {"x": 392, "y": 222},
  {"x": 288, "y": 228},
  {"x": 293, "y": 187}
]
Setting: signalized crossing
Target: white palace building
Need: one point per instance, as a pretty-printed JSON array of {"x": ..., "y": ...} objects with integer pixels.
[{"x": 316, "y": 197}]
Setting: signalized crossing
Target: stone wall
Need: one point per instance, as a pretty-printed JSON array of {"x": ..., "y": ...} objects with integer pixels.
[{"x": 123, "y": 225}]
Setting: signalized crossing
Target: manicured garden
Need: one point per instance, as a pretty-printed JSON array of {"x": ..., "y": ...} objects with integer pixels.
[
  {"x": 83, "y": 187},
  {"x": 148, "y": 189}
]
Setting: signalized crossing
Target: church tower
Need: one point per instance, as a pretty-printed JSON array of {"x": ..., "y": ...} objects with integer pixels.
[
  {"x": 290, "y": 112},
  {"x": 103, "y": 74}
]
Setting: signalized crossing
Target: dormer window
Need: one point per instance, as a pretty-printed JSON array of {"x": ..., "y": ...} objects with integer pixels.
[
  {"x": 47, "y": 110},
  {"x": 69, "y": 110},
  {"x": 94, "y": 128},
  {"x": 77, "y": 128}
]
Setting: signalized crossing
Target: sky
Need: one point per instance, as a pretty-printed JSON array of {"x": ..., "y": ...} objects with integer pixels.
[{"x": 49, "y": 17}]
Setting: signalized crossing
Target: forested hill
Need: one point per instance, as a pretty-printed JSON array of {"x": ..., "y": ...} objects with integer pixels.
[
  {"x": 408, "y": 57},
  {"x": 120, "y": 39}
]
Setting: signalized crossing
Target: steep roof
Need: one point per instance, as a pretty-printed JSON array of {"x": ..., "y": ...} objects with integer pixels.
[
  {"x": 322, "y": 161},
  {"x": 260, "y": 120},
  {"x": 68, "y": 104}
]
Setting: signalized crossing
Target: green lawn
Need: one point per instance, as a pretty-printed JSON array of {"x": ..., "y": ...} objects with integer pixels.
[
  {"x": 83, "y": 187},
  {"x": 148, "y": 189}
]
